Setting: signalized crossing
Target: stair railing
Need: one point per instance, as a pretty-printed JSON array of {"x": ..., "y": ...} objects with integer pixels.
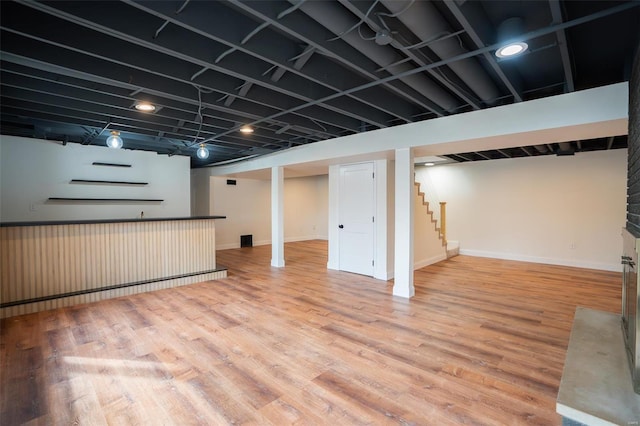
[{"x": 443, "y": 221}]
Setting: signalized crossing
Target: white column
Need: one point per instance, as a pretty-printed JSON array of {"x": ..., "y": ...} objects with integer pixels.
[
  {"x": 404, "y": 202},
  {"x": 277, "y": 217}
]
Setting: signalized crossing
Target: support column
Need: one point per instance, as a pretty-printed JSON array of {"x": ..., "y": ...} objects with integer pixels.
[
  {"x": 277, "y": 217},
  {"x": 404, "y": 204}
]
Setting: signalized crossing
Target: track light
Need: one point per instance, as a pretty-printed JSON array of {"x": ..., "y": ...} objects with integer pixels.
[
  {"x": 202, "y": 153},
  {"x": 114, "y": 141}
]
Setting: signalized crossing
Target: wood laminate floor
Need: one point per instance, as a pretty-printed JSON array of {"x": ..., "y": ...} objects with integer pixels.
[{"x": 482, "y": 342}]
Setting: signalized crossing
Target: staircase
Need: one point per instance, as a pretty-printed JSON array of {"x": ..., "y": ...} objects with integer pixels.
[{"x": 453, "y": 247}]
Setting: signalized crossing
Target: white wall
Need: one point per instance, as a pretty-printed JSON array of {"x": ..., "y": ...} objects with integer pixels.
[
  {"x": 32, "y": 170},
  {"x": 306, "y": 208},
  {"x": 247, "y": 206},
  {"x": 548, "y": 209}
]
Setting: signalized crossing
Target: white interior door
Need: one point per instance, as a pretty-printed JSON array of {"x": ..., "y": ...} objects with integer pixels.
[{"x": 356, "y": 207}]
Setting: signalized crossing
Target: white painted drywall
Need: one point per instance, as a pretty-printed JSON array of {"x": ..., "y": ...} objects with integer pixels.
[
  {"x": 247, "y": 206},
  {"x": 548, "y": 209},
  {"x": 32, "y": 170}
]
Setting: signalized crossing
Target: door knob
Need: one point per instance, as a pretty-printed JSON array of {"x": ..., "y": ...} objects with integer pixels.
[{"x": 340, "y": 226}]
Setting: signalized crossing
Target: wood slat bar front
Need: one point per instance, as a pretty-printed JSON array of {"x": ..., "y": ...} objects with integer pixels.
[{"x": 49, "y": 266}]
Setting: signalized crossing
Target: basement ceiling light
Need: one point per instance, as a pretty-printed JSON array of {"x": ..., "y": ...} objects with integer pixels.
[
  {"x": 510, "y": 36},
  {"x": 246, "y": 129},
  {"x": 202, "y": 152},
  {"x": 145, "y": 107},
  {"x": 114, "y": 141},
  {"x": 512, "y": 49},
  {"x": 429, "y": 164}
]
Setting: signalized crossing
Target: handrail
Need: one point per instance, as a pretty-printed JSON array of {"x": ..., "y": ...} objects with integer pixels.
[{"x": 443, "y": 221}]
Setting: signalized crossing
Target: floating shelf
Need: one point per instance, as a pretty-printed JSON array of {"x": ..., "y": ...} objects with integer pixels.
[
  {"x": 97, "y": 163},
  {"x": 107, "y": 200},
  {"x": 109, "y": 182}
]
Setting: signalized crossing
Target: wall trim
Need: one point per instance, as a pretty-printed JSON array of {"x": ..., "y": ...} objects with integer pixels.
[
  {"x": 429, "y": 261},
  {"x": 227, "y": 246},
  {"x": 107, "y": 288},
  {"x": 545, "y": 260}
]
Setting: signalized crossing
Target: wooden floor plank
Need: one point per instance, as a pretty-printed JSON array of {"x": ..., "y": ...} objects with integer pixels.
[{"x": 482, "y": 342}]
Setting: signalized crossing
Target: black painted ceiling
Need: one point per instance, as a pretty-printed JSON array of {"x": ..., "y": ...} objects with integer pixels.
[{"x": 296, "y": 71}]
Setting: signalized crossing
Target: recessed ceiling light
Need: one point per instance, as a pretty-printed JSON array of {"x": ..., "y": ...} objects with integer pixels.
[
  {"x": 145, "y": 107},
  {"x": 246, "y": 129},
  {"x": 429, "y": 164},
  {"x": 512, "y": 49}
]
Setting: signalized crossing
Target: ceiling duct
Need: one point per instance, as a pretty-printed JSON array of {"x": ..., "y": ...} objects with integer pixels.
[
  {"x": 565, "y": 148},
  {"x": 332, "y": 16},
  {"x": 424, "y": 20}
]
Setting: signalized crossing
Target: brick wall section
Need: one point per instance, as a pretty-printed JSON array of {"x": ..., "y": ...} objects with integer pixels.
[{"x": 633, "y": 167}]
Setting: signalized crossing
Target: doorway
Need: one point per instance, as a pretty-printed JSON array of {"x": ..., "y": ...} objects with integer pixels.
[{"x": 356, "y": 217}]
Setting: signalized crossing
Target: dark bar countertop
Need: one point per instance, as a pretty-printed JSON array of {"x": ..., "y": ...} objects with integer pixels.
[{"x": 96, "y": 221}]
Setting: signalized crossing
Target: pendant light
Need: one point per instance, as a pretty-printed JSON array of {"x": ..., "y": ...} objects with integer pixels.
[
  {"x": 114, "y": 141},
  {"x": 202, "y": 153}
]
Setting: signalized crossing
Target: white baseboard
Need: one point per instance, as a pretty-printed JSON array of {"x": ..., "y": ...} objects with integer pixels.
[
  {"x": 546, "y": 260},
  {"x": 267, "y": 242},
  {"x": 227, "y": 246},
  {"x": 305, "y": 238},
  {"x": 429, "y": 261},
  {"x": 421, "y": 264}
]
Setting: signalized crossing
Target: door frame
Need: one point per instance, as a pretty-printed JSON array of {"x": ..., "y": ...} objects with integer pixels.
[
  {"x": 369, "y": 226},
  {"x": 384, "y": 214}
]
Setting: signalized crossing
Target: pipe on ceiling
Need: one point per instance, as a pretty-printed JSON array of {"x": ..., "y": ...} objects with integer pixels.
[
  {"x": 333, "y": 17},
  {"x": 424, "y": 20}
]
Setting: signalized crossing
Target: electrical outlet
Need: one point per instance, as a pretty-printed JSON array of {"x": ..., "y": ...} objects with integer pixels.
[
  {"x": 572, "y": 246},
  {"x": 32, "y": 207}
]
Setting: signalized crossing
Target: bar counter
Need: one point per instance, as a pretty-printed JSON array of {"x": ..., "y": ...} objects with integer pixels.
[{"x": 46, "y": 265}]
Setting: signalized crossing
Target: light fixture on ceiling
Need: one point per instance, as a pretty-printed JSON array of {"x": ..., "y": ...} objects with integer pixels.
[
  {"x": 202, "y": 152},
  {"x": 512, "y": 49},
  {"x": 246, "y": 129},
  {"x": 509, "y": 34},
  {"x": 429, "y": 164},
  {"x": 383, "y": 37},
  {"x": 114, "y": 141},
  {"x": 145, "y": 106}
]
